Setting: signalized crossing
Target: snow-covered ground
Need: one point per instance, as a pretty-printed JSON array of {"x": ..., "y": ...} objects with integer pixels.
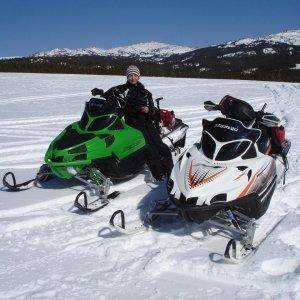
[{"x": 49, "y": 250}]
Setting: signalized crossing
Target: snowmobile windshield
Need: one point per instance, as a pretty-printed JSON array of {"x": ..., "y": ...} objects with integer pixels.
[
  {"x": 83, "y": 121},
  {"x": 228, "y": 139},
  {"x": 226, "y": 130},
  {"x": 97, "y": 107},
  {"x": 232, "y": 150},
  {"x": 102, "y": 122},
  {"x": 94, "y": 108},
  {"x": 208, "y": 145}
]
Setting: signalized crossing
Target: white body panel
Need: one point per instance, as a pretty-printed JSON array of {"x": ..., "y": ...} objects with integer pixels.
[
  {"x": 174, "y": 136},
  {"x": 195, "y": 175}
]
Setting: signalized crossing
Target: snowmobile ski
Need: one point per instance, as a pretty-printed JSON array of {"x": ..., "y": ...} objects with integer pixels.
[
  {"x": 14, "y": 186},
  {"x": 81, "y": 202},
  {"x": 122, "y": 227},
  {"x": 237, "y": 252},
  {"x": 150, "y": 218},
  {"x": 43, "y": 175}
]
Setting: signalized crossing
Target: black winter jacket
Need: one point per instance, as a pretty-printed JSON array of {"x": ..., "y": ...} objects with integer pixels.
[{"x": 131, "y": 98}]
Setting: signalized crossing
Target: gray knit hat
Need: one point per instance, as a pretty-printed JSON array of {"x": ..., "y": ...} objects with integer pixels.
[{"x": 133, "y": 70}]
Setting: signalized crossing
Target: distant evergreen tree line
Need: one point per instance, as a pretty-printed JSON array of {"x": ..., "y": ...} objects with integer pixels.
[{"x": 270, "y": 68}]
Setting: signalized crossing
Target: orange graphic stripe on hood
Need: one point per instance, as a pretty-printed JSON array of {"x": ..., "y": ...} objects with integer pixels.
[
  {"x": 239, "y": 176},
  {"x": 250, "y": 183},
  {"x": 194, "y": 181}
]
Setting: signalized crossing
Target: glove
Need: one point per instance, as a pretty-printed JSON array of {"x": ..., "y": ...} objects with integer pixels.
[{"x": 96, "y": 92}]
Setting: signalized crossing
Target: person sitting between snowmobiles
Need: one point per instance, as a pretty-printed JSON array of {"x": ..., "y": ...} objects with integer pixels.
[
  {"x": 137, "y": 105},
  {"x": 238, "y": 109}
]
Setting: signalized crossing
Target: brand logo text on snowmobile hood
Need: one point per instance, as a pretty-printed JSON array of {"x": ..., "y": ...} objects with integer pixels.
[{"x": 226, "y": 127}]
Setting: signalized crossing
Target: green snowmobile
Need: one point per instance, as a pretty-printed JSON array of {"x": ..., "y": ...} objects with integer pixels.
[{"x": 99, "y": 149}]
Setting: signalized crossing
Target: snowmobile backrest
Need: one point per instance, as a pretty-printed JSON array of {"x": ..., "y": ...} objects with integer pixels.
[{"x": 237, "y": 109}]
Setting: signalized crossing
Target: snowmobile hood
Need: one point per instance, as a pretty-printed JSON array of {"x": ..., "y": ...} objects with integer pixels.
[
  {"x": 93, "y": 137},
  {"x": 196, "y": 180},
  {"x": 76, "y": 148}
]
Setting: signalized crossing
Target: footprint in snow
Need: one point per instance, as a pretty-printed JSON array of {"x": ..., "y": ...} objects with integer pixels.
[{"x": 280, "y": 266}]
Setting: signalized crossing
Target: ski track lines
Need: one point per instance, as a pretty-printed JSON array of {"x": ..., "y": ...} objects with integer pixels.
[
  {"x": 35, "y": 134},
  {"x": 67, "y": 255},
  {"x": 40, "y": 98}
]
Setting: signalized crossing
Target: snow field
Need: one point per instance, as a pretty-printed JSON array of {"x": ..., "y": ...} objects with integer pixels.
[{"x": 49, "y": 250}]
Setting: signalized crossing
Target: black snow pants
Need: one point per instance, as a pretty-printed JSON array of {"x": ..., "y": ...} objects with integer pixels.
[{"x": 158, "y": 155}]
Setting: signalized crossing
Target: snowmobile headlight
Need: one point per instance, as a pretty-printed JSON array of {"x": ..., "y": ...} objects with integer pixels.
[
  {"x": 79, "y": 149},
  {"x": 80, "y": 157},
  {"x": 192, "y": 200},
  {"x": 109, "y": 140},
  {"x": 72, "y": 171},
  {"x": 57, "y": 158}
]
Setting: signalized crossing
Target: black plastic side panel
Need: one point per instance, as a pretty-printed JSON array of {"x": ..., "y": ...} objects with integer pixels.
[{"x": 117, "y": 169}]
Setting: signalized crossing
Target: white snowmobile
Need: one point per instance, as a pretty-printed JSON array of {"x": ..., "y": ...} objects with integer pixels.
[{"x": 226, "y": 180}]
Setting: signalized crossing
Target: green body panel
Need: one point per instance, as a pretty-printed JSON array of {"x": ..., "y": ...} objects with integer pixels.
[{"x": 121, "y": 143}]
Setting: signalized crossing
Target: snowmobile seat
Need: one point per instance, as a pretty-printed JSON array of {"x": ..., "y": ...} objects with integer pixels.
[
  {"x": 237, "y": 109},
  {"x": 167, "y": 118}
]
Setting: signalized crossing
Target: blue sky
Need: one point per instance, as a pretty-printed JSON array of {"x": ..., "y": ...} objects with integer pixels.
[{"x": 28, "y": 26}]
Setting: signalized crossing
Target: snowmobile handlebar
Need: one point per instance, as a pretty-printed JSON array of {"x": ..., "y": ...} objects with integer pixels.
[
  {"x": 157, "y": 100},
  {"x": 260, "y": 113},
  {"x": 209, "y": 105},
  {"x": 267, "y": 119},
  {"x": 262, "y": 110}
]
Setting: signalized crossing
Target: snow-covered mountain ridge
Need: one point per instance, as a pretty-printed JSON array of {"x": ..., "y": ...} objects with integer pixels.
[
  {"x": 143, "y": 50},
  {"x": 159, "y": 51},
  {"x": 291, "y": 37}
]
